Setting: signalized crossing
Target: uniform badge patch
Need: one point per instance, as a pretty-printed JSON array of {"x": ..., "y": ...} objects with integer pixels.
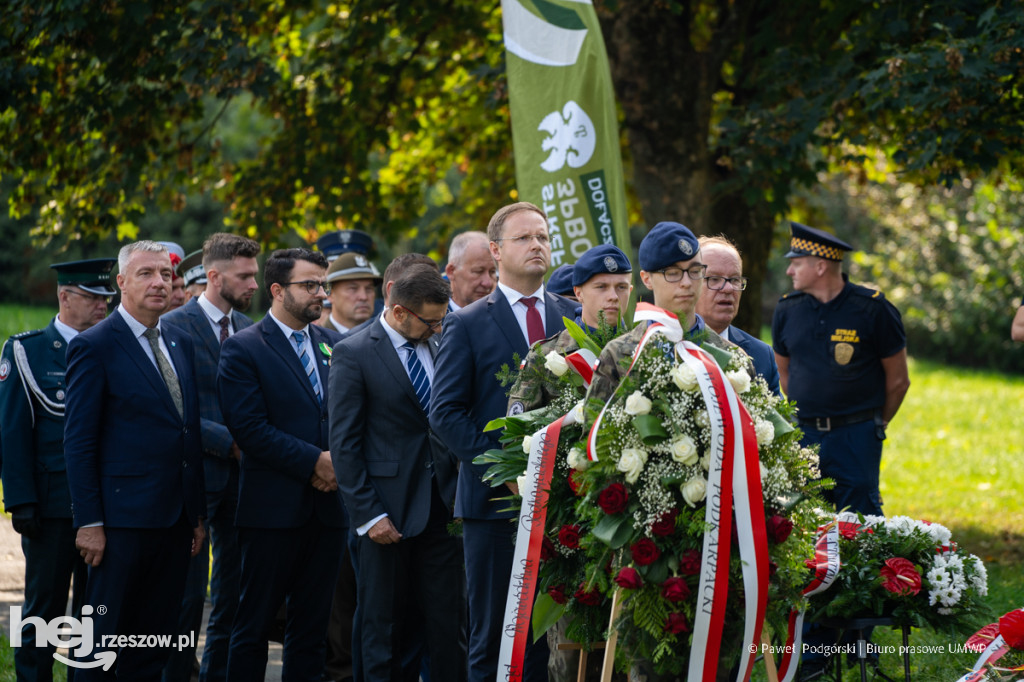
[
  {"x": 5, "y": 369},
  {"x": 685, "y": 247},
  {"x": 516, "y": 408},
  {"x": 610, "y": 265},
  {"x": 843, "y": 353},
  {"x": 60, "y": 395}
]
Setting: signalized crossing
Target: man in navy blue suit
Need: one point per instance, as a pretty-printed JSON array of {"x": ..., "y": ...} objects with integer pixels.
[
  {"x": 477, "y": 341},
  {"x": 229, "y": 261},
  {"x": 291, "y": 523},
  {"x": 133, "y": 454},
  {"x": 398, "y": 484},
  {"x": 720, "y": 301}
]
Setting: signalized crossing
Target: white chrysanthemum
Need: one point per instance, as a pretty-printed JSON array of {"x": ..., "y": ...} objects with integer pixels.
[
  {"x": 526, "y": 444},
  {"x": 872, "y": 520},
  {"x": 694, "y": 490},
  {"x": 577, "y": 459},
  {"x": 637, "y": 404},
  {"x": 765, "y": 432},
  {"x": 631, "y": 462},
  {"x": 979, "y": 580},
  {"x": 684, "y": 450},
  {"x": 939, "y": 533},
  {"x": 684, "y": 377},
  {"x": 740, "y": 380},
  {"x": 937, "y": 578}
]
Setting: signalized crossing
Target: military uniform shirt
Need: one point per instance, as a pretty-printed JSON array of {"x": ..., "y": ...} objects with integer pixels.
[{"x": 835, "y": 349}]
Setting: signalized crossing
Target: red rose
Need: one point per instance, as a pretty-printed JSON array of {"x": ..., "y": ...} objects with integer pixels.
[
  {"x": 848, "y": 531},
  {"x": 612, "y": 499},
  {"x": 547, "y": 549},
  {"x": 675, "y": 589},
  {"x": 900, "y": 577},
  {"x": 557, "y": 593},
  {"x": 1011, "y": 627},
  {"x": 779, "y": 528},
  {"x": 629, "y": 579},
  {"x": 689, "y": 562},
  {"x": 645, "y": 552},
  {"x": 569, "y": 536},
  {"x": 676, "y": 623},
  {"x": 666, "y": 524},
  {"x": 591, "y": 598}
]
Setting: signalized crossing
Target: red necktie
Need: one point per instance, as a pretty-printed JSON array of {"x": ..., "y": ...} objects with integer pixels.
[
  {"x": 534, "y": 325},
  {"x": 224, "y": 322}
]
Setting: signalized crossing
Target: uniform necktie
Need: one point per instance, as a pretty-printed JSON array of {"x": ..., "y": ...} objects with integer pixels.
[
  {"x": 418, "y": 376},
  {"x": 164, "y": 365},
  {"x": 307, "y": 363},
  {"x": 534, "y": 325},
  {"x": 224, "y": 323}
]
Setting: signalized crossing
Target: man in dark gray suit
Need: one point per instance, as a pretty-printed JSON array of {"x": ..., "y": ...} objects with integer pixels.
[
  {"x": 399, "y": 485},
  {"x": 210, "y": 318}
]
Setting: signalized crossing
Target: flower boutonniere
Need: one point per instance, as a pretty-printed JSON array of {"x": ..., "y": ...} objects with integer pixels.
[{"x": 328, "y": 353}]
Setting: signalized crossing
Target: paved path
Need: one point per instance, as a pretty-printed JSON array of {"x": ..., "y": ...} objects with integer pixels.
[{"x": 12, "y": 586}]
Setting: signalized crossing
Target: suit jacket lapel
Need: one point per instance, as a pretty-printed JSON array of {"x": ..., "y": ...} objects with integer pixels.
[
  {"x": 553, "y": 314},
  {"x": 388, "y": 355},
  {"x": 201, "y": 324},
  {"x": 182, "y": 364},
  {"x": 323, "y": 367},
  {"x": 124, "y": 337},
  {"x": 505, "y": 320},
  {"x": 283, "y": 346}
]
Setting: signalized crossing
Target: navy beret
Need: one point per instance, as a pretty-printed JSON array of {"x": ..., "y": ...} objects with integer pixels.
[
  {"x": 665, "y": 245},
  {"x": 599, "y": 260},
  {"x": 560, "y": 281},
  {"x": 807, "y": 241}
]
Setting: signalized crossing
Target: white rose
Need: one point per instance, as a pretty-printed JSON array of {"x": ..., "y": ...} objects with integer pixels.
[
  {"x": 705, "y": 461},
  {"x": 765, "y": 432},
  {"x": 526, "y": 444},
  {"x": 631, "y": 463},
  {"x": 578, "y": 413},
  {"x": 555, "y": 363},
  {"x": 684, "y": 377},
  {"x": 578, "y": 459},
  {"x": 703, "y": 419},
  {"x": 694, "y": 490},
  {"x": 637, "y": 404},
  {"x": 521, "y": 482},
  {"x": 740, "y": 380},
  {"x": 684, "y": 450}
]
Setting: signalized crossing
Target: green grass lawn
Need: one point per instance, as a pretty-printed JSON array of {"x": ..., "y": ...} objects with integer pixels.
[{"x": 954, "y": 456}]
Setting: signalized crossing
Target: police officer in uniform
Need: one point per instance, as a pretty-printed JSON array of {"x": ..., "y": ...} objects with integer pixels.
[
  {"x": 842, "y": 357},
  {"x": 35, "y": 485},
  {"x": 192, "y": 271}
]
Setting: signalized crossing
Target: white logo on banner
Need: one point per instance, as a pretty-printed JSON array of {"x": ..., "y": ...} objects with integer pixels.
[{"x": 571, "y": 138}]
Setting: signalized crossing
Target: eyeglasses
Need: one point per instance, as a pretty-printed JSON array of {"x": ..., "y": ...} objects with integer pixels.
[
  {"x": 696, "y": 272},
  {"x": 717, "y": 283},
  {"x": 312, "y": 286},
  {"x": 91, "y": 297},
  {"x": 433, "y": 326},
  {"x": 523, "y": 240}
]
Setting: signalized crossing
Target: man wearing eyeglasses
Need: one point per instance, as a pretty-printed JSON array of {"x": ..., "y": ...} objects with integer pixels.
[
  {"x": 720, "y": 301},
  {"x": 272, "y": 383},
  {"x": 671, "y": 266},
  {"x": 32, "y": 393},
  {"x": 495, "y": 330},
  {"x": 399, "y": 486}
]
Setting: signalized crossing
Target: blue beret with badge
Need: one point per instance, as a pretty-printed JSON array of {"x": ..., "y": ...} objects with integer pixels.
[
  {"x": 600, "y": 260},
  {"x": 92, "y": 275},
  {"x": 333, "y": 244},
  {"x": 667, "y": 244},
  {"x": 560, "y": 281},
  {"x": 807, "y": 241}
]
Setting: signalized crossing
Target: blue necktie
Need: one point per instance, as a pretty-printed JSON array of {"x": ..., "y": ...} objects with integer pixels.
[
  {"x": 418, "y": 376},
  {"x": 307, "y": 363}
]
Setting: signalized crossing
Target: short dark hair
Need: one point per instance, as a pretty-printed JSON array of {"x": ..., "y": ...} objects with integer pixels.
[
  {"x": 402, "y": 263},
  {"x": 419, "y": 284},
  {"x": 225, "y": 246},
  {"x": 279, "y": 266},
  {"x": 496, "y": 227}
]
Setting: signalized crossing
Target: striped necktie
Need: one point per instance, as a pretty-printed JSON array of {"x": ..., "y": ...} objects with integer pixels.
[
  {"x": 418, "y": 376},
  {"x": 307, "y": 363}
]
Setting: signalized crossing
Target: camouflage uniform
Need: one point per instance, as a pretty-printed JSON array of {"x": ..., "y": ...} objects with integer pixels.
[
  {"x": 610, "y": 370},
  {"x": 529, "y": 392}
]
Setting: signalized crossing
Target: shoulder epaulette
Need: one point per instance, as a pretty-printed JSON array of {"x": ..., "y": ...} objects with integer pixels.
[
  {"x": 25, "y": 335},
  {"x": 868, "y": 292},
  {"x": 791, "y": 296}
]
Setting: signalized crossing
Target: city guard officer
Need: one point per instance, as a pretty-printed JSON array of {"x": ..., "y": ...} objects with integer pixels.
[{"x": 35, "y": 485}]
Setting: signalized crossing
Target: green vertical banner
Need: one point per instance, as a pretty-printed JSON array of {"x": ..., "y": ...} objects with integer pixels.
[{"x": 564, "y": 126}]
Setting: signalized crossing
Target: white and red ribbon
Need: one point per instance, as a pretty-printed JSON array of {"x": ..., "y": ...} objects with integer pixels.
[
  {"x": 992, "y": 653},
  {"x": 582, "y": 362}
]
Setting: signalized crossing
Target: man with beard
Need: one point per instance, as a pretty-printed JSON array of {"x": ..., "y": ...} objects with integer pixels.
[
  {"x": 273, "y": 390},
  {"x": 230, "y": 268}
]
